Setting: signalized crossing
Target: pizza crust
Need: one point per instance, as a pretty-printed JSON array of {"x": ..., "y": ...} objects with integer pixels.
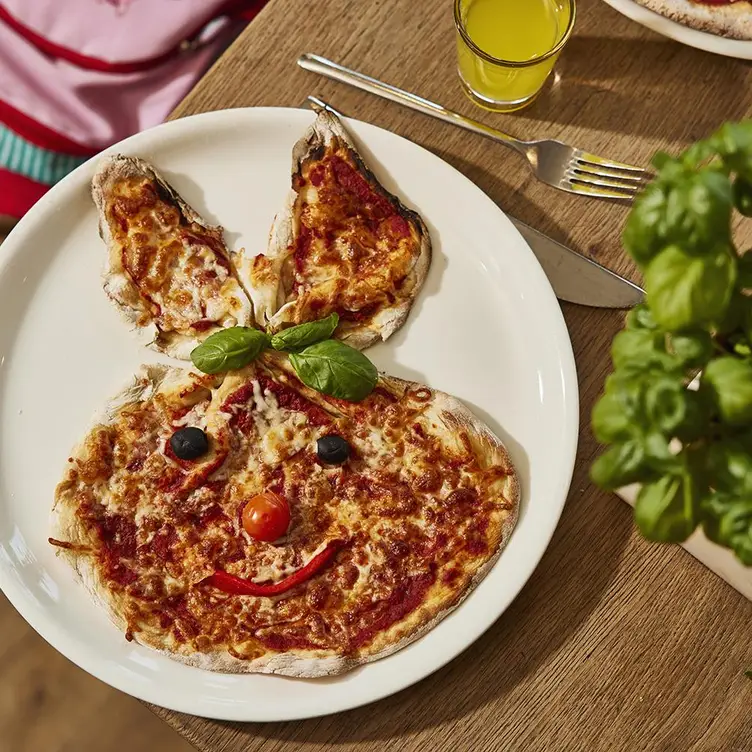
[
  {"x": 732, "y": 21},
  {"x": 117, "y": 284},
  {"x": 65, "y": 525},
  {"x": 268, "y": 297}
]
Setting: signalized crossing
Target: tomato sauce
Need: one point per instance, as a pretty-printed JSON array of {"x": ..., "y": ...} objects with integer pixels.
[
  {"x": 351, "y": 180},
  {"x": 292, "y": 400},
  {"x": 406, "y": 598}
]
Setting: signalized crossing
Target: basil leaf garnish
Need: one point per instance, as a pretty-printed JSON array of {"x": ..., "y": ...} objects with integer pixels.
[
  {"x": 229, "y": 349},
  {"x": 303, "y": 335},
  {"x": 336, "y": 369}
]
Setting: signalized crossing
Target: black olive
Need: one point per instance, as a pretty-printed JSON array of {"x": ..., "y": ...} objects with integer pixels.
[
  {"x": 189, "y": 443},
  {"x": 334, "y": 450}
]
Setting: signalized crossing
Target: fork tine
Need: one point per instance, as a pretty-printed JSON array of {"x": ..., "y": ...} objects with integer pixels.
[
  {"x": 578, "y": 173},
  {"x": 628, "y": 178},
  {"x": 607, "y": 184},
  {"x": 600, "y": 162},
  {"x": 605, "y": 181},
  {"x": 595, "y": 190}
]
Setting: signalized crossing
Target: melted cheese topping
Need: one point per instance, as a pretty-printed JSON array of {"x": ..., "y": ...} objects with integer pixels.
[
  {"x": 418, "y": 506},
  {"x": 180, "y": 269},
  {"x": 355, "y": 245}
]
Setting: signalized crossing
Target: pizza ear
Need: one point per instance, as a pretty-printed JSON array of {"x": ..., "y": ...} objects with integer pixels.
[
  {"x": 112, "y": 176},
  {"x": 270, "y": 278}
]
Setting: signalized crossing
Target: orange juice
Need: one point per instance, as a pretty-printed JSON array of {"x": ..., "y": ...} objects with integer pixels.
[{"x": 515, "y": 39}]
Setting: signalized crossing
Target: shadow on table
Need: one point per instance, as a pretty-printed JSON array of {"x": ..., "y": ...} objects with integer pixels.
[
  {"x": 590, "y": 88},
  {"x": 566, "y": 587}
]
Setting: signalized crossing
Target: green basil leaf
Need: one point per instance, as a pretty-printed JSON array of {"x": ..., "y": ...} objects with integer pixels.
[
  {"x": 303, "y": 335},
  {"x": 730, "y": 465},
  {"x": 659, "y": 456},
  {"x": 611, "y": 421},
  {"x": 729, "y": 381},
  {"x": 746, "y": 319},
  {"x": 745, "y": 270},
  {"x": 695, "y": 423},
  {"x": 632, "y": 345},
  {"x": 666, "y": 403},
  {"x": 662, "y": 161},
  {"x": 748, "y": 674},
  {"x": 712, "y": 509},
  {"x": 733, "y": 318},
  {"x": 687, "y": 291},
  {"x": 336, "y": 369},
  {"x": 641, "y": 353},
  {"x": 733, "y": 138},
  {"x": 693, "y": 350},
  {"x": 667, "y": 510},
  {"x": 629, "y": 391},
  {"x": 698, "y": 211},
  {"x": 620, "y": 466},
  {"x": 698, "y": 153},
  {"x": 644, "y": 231},
  {"x": 734, "y": 142},
  {"x": 727, "y": 521},
  {"x": 743, "y": 196},
  {"x": 745, "y": 439},
  {"x": 229, "y": 349},
  {"x": 640, "y": 318},
  {"x": 741, "y": 347},
  {"x": 735, "y": 529}
]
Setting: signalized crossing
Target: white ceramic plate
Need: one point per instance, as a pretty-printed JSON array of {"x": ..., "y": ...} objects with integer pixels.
[
  {"x": 486, "y": 327},
  {"x": 681, "y": 33}
]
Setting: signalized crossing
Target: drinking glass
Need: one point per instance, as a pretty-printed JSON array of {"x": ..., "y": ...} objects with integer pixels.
[{"x": 505, "y": 52}]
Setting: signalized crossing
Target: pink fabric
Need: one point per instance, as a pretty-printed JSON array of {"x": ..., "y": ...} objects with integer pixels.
[
  {"x": 96, "y": 108},
  {"x": 115, "y": 30}
]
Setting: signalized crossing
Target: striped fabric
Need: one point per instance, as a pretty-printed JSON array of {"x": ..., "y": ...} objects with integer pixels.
[{"x": 34, "y": 162}]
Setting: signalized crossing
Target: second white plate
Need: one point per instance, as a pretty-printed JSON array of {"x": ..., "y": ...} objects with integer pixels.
[
  {"x": 701, "y": 40},
  {"x": 486, "y": 327}
]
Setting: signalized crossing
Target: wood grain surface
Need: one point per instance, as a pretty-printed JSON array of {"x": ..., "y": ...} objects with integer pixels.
[
  {"x": 614, "y": 644},
  {"x": 47, "y": 704}
]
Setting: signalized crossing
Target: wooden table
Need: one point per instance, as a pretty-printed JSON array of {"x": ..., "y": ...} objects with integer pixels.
[{"x": 614, "y": 644}]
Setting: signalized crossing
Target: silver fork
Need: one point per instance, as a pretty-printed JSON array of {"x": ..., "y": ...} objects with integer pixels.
[{"x": 553, "y": 162}]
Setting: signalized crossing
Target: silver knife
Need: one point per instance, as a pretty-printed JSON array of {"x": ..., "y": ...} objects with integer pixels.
[{"x": 574, "y": 277}]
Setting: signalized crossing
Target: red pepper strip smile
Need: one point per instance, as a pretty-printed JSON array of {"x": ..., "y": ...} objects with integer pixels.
[{"x": 229, "y": 583}]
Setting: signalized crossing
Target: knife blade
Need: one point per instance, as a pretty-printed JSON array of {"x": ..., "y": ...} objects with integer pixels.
[{"x": 575, "y": 278}]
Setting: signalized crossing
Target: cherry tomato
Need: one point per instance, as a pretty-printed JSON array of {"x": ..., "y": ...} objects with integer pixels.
[{"x": 266, "y": 516}]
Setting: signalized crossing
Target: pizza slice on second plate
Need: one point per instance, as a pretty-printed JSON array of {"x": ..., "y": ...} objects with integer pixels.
[
  {"x": 342, "y": 244},
  {"x": 724, "y": 18}
]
